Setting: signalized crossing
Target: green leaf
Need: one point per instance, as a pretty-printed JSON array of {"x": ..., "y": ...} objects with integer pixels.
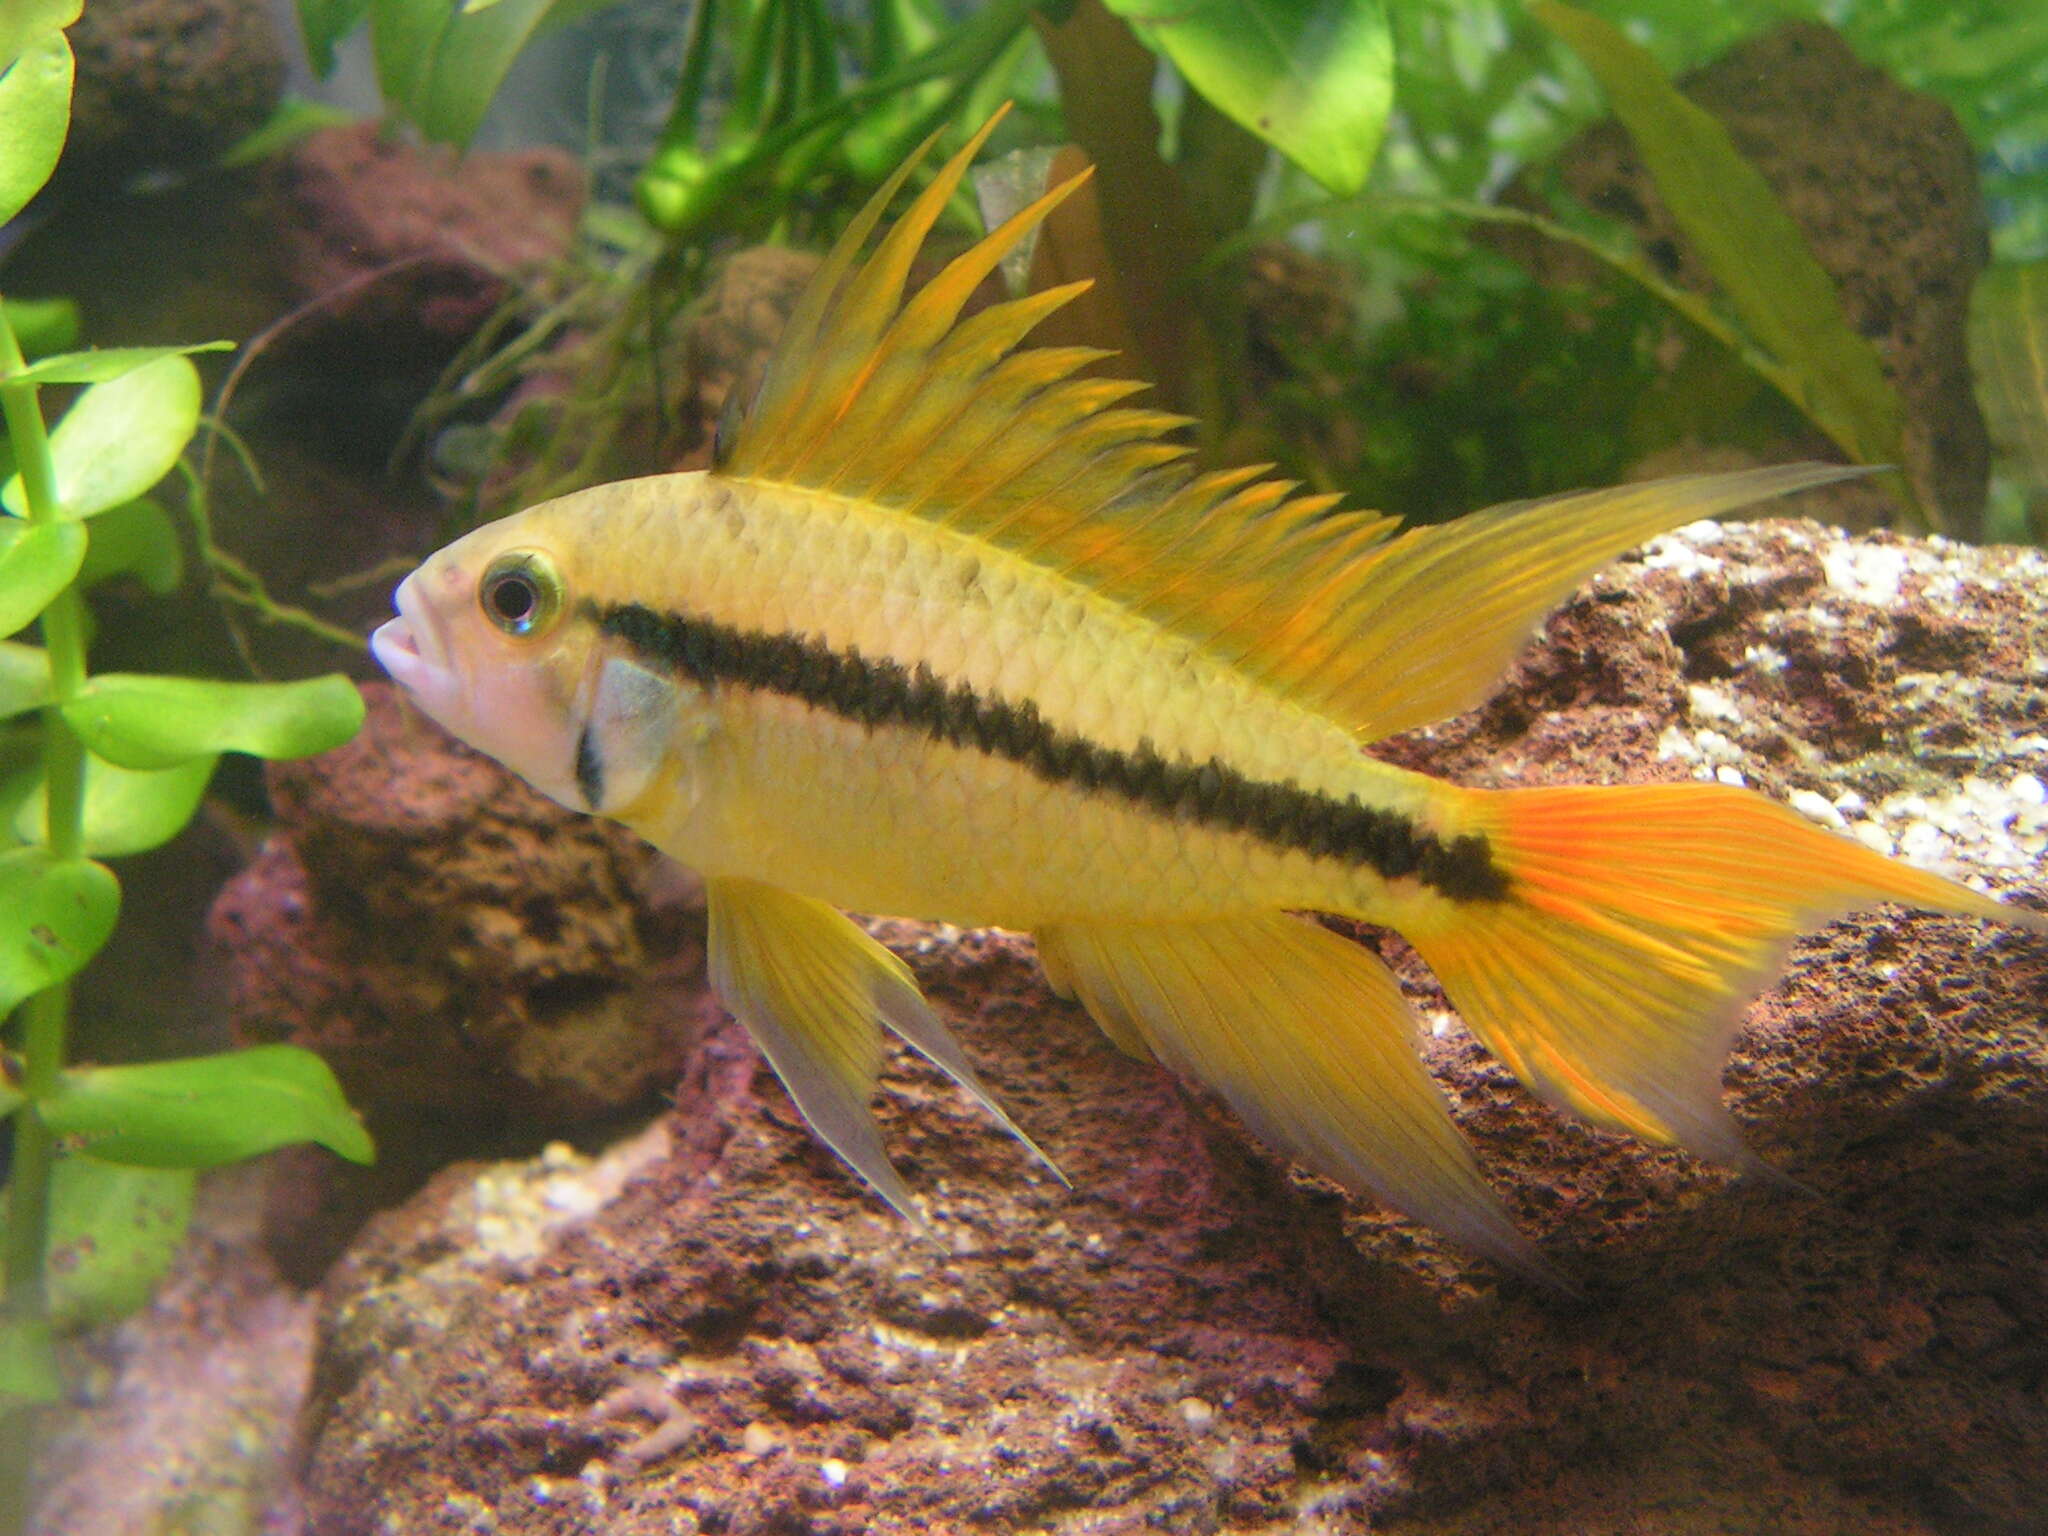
[
  {"x": 2009, "y": 357},
  {"x": 35, "y": 116},
  {"x": 99, "y": 365},
  {"x": 121, "y": 437},
  {"x": 205, "y": 1110},
  {"x": 137, "y": 540},
  {"x": 127, "y": 810},
  {"x": 323, "y": 23},
  {"x": 42, "y": 326},
  {"x": 441, "y": 67},
  {"x": 28, "y": 1362},
  {"x": 1750, "y": 244},
  {"x": 54, "y": 916},
  {"x": 21, "y": 21},
  {"x": 1313, "y": 78},
  {"x": 37, "y": 561},
  {"x": 24, "y": 681},
  {"x": 294, "y": 119},
  {"x": 113, "y": 1234},
  {"x": 141, "y": 721}
]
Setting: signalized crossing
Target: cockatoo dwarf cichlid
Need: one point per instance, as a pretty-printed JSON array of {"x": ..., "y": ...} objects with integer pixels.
[{"x": 952, "y": 633}]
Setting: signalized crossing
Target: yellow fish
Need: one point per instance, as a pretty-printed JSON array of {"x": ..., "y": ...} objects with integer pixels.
[{"x": 951, "y": 633}]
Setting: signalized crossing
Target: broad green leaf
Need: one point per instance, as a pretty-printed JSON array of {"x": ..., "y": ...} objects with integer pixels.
[
  {"x": 98, "y": 365},
  {"x": 24, "y": 680},
  {"x": 323, "y": 23},
  {"x": 294, "y": 119},
  {"x": 2009, "y": 357},
  {"x": 54, "y": 916},
  {"x": 137, "y": 540},
  {"x": 21, "y": 21},
  {"x": 37, "y": 561},
  {"x": 127, "y": 810},
  {"x": 441, "y": 67},
  {"x": 28, "y": 1362},
  {"x": 42, "y": 326},
  {"x": 1313, "y": 78},
  {"x": 205, "y": 1110},
  {"x": 1750, "y": 244},
  {"x": 35, "y": 116},
  {"x": 141, "y": 721},
  {"x": 113, "y": 1234},
  {"x": 121, "y": 437}
]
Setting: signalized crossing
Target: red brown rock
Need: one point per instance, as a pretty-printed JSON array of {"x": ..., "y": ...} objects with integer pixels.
[
  {"x": 483, "y": 969},
  {"x": 1882, "y": 182},
  {"x": 716, "y": 1330},
  {"x": 451, "y": 940}
]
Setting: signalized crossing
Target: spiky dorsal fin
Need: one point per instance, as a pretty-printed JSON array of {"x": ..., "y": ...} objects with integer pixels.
[{"x": 904, "y": 406}]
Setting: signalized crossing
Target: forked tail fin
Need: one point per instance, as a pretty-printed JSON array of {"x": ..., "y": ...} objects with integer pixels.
[{"x": 1638, "y": 923}]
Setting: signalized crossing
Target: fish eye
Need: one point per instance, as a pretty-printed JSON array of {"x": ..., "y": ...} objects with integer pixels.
[{"x": 521, "y": 592}]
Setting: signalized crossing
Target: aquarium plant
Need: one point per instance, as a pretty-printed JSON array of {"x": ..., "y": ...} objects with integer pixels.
[
  {"x": 1383, "y": 132},
  {"x": 91, "y": 768}
]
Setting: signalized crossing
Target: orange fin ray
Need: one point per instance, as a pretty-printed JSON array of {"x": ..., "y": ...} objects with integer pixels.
[
  {"x": 1639, "y": 923},
  {"x": 920, "y": 414}
]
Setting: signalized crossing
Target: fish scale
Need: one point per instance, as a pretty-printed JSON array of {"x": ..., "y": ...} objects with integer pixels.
[
  {"x": 950, "y": 633},
  {"x": 1082, "y": 671}
]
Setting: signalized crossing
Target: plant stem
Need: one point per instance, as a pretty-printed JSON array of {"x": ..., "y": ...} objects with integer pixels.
[{"x": 46, "y": 1015}]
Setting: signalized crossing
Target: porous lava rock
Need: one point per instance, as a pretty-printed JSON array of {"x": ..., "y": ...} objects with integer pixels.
[
  {"x": 449, "y": 938},
  {"x": 353, "y": 201},
  {"x": 714, "y": 1329},
  {"x": 1882, "y": 182},
  {"x": 167, "y": 85},
  {"x": 482, "y": 968}
]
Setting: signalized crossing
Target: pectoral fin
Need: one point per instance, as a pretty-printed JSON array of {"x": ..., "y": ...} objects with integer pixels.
[{"x": 809, "y": 985}]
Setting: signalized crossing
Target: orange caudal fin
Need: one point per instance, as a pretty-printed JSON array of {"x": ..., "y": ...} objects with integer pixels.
[{"x": 1638, "y": 924}]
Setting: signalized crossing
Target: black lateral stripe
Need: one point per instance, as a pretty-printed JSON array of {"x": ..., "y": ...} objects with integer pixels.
[
  {"x": 860, "y": 688},
  {"x": 589, "y": 769}
]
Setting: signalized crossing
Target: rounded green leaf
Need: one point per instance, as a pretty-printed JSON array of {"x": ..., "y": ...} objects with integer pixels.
[
  {"x": 100, "y": 364},
  {"x": 121, "y": 437},
  {"x": 113, "y": 1234},
  {"x": 54, "y": 916},
  {"x": 1313, "y": 78},
  {"x": 21, "y": 21},
  {"x": 35, "y": 116},
  {"x": 134, "y": 540},
  {"x": 24, "y": 680},
  {"x": 127, "y": 810},
  {"x": 205, "y": 1110},
  {"x": 37, "y": 561},
  {"x": 139, "y": 721}
]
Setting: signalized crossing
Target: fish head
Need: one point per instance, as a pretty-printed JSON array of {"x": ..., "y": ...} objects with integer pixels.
[{"x": 489, "y": 643}]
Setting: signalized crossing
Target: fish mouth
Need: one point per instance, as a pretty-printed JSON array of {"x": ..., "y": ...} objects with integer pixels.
[{"x": 410, "y": 647}]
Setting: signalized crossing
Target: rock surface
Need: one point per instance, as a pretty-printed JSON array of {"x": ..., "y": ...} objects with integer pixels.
[
  {"x": 167, "y": 85},
  {"x": 714, "y": 1330},
  {"x": 183, "y": 1417},
  {"x": 1882, "y": 181},
  {"x": 448, "y": 938},
  {"x": 482, "y": 968}
]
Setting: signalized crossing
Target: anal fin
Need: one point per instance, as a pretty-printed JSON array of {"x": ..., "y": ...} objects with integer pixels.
[
  {"x": 1310, "y": 1040},
  {"x": 810, "y": 986}
]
